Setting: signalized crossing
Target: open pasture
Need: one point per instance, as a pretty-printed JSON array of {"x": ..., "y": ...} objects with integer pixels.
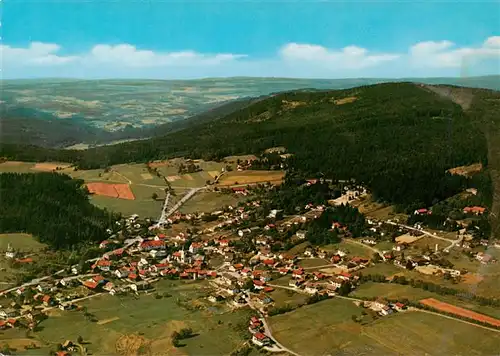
[
  {"x": 251, "y": 177},
  {"x": 327, "y": 328},
  {"x": 208, "y": 202},
  {"x": 129, "y": 325}
]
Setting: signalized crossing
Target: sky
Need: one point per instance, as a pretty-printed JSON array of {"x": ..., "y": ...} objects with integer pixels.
[{"x": 164, "y": 39}]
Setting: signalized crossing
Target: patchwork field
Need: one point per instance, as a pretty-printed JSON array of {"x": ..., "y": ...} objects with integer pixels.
[
  {"x": 327, "y": 328},
  {"x": 251, "y": 177},
  {"x": 131, "y": 326}
]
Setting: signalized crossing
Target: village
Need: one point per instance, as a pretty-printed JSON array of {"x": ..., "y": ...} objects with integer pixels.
[{"x": 242, "y": 256}]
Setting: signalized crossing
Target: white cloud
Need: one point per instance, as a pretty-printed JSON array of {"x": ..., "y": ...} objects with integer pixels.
[
  {"x": 429, "y": 58},
  {"x": 128, "y": 55},
  {"x": 37, "y": 53},
  {"x": 350, "y": 57},
  {"x": 445, "y": 54}
]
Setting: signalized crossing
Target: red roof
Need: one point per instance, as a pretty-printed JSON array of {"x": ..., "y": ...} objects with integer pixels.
[
  {"x": 46, "y": 298},
  {"x": 161, "y": 265},
  {"x": 268, "y": 289},
  {"x": 153, "y": 243},
  {"x": 90, "y": 284},
  {"x": 422, "y": 210},
  {"x": 238, "y": 189},
  {"x": 161, "y": 236},
  {"x": 260, "y": 336},
  {"x": 238, "y": 266},
  {"x": 132, "y": 276},
  {"x": 254, "y": 319},
  {"x": 25, "y": 260},
  {"x": 12, "y": 321},
  {"x": 98, "y": 278},
  {"x": 2, "y": 323},
  {"x": 298, "y": 272},
  {"x": 269, "y": 262},
  {"x": 104, "y": 263},
  {"x": 257, "y": 273},
  {"x": 256, "y": 282}
]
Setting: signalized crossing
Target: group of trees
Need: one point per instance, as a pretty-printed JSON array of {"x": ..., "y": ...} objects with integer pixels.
[
  {"x": 52, "y": 207},
  {"x": 397, "y": 138}
]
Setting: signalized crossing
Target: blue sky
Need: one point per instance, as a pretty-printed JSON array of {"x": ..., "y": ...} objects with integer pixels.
[{"x": 188, "y": 39}]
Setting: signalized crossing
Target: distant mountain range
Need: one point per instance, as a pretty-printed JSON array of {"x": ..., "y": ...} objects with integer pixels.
[{"x": 64, "y": 112}]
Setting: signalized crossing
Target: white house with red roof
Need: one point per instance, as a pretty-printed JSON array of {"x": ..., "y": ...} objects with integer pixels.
[
  {"x": 260, "y": 339},
  {"x": 195, "y": 247}
]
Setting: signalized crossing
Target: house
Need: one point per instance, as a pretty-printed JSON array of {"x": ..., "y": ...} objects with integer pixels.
[
  {"x": 311, "y": 288},
  {"x": 484, "y": 258},
  {"x": 295, "y": 284},
  {"x": 90, "y": 284},
  {"x": 258, "y": 284},
  {"x": 122, "y": 272},
  {"x": 386, "y": 310},
  {"x": 104, "y": 244},
  {"x": 369, "y": 241},
  {"x": 152, "y": 245},
  {"x": 422, "y": 211},
  {"x": 336, "y": 283},
  {"x": 103, "y": 265},
  {"x": 399, "y": 307},
  {"x": 223, "y": 243},
  {"x": 476, "y": 210},
  {"x": 345, "y": 276},
  {"x": 261, "y": 240},
  {"x": 301, "y": 235},
  {"x": 260, "y": 339},
  {"x": 46, "y": 300},
  {"x": 283, "y": 271},
  {"x": 297, "y": 273},
  {"x": 8, "y": 313},
  {"x": 195, "y": 247},
  {"x": 359, "y": 260},
  {"x": 268, "y": 262},
  {"x": 399, "y": 247}
]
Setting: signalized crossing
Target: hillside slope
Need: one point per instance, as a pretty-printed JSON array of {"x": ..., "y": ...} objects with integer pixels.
[{"x": 399, "y": 138}]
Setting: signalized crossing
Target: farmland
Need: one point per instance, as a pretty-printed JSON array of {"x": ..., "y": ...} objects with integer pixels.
[
  {"x": 251, "y": 177},
  {"x": 327, "y": 327},
  {"x": 208, "y": 201},
  {"x": 145, "y": 323},
  {"x": 398, "y": 291}
]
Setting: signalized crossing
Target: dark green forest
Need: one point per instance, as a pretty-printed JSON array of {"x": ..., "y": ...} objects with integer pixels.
[
  {"x": 52, "y": 207},
  {"x": 398, "y": 138}
]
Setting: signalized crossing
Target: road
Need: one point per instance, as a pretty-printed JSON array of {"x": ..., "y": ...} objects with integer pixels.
[
  {"x": 377, "y": 251},
  {"x": 38, "y": 280}
]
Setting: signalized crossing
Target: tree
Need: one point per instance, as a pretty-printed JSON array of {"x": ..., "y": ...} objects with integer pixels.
[
  {"x": 154, "y": 196},
  {"x": 79, "y": 339}
]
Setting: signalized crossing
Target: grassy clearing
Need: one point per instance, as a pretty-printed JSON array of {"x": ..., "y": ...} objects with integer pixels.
[
  {"x": 351, "y": 249},
  {"x": 312, "y": 262},
  {"x": 208, "y": 202},
  {"x": 22, "y": 242},
  {"x": 284, "y": 297},
  {"x": 16, "y": 167},
  {"x": 147, "y": 322},
  {"x": 327, "y": 326}
]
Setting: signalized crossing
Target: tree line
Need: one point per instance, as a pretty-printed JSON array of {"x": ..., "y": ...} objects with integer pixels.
[{"x": 53, "y": 207}]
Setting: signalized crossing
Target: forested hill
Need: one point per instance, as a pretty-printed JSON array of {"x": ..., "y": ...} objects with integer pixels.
[
  {"x": 51, "y": 206},
  {"x": 399, "y": 138}
]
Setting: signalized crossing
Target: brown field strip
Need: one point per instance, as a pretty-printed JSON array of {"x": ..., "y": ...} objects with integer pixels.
[
  {"x": 121, "y": 191},
  {"x": 452, "y": 309},
  {"x": 48, "y": 167},
  {"x": 106, "y": 321},
  {"x": 251, "y": 177}
]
